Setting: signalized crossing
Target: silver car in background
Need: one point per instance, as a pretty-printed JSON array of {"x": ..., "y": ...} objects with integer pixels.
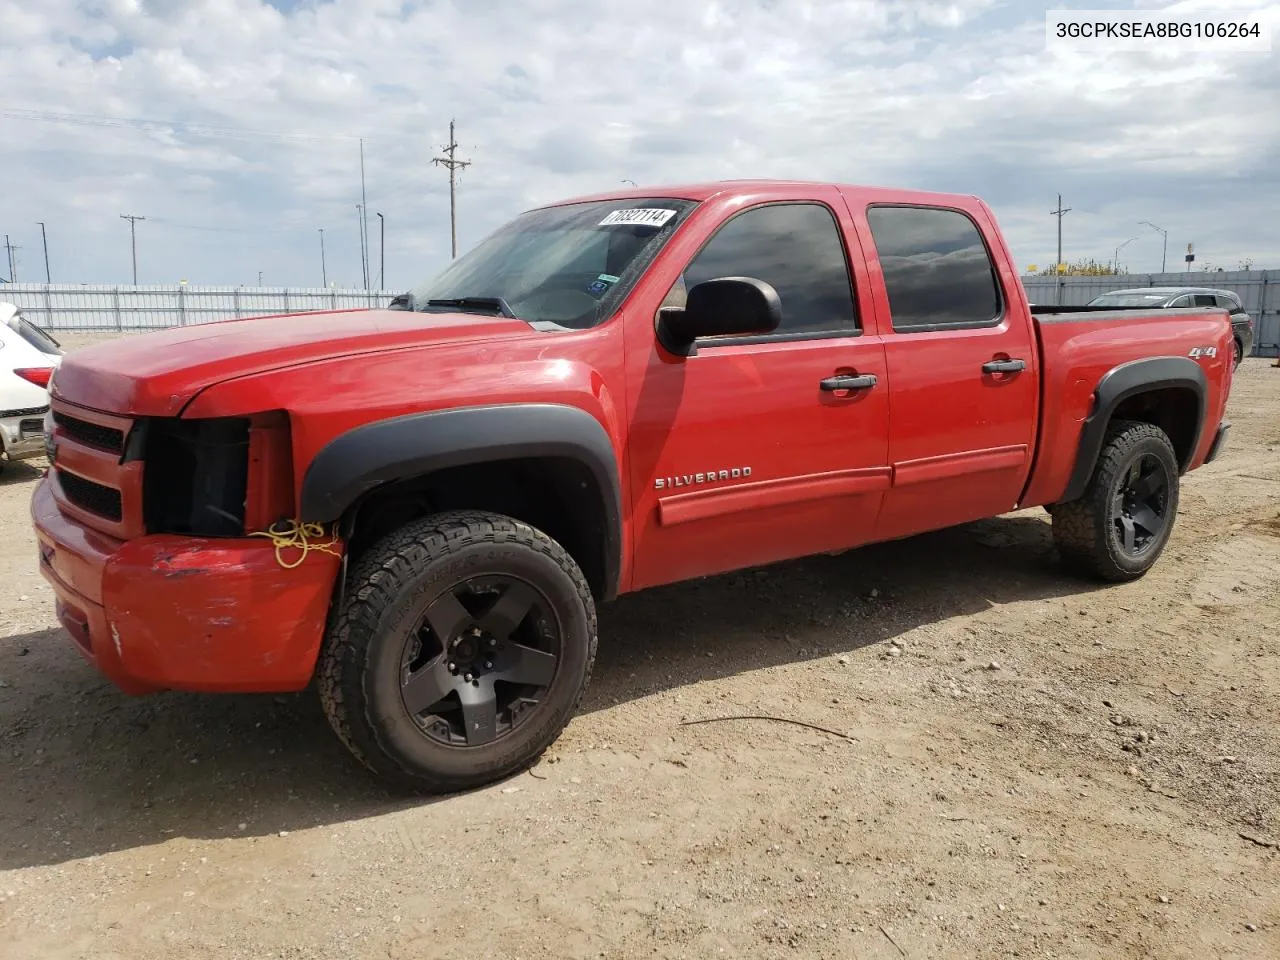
[{"x": 1173, "y": 297}]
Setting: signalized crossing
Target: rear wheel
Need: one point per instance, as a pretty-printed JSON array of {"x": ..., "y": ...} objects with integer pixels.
[
  {"x": 1239, "y": 352},
  {"x": 463, "y": 647},
  {"x": 1121, "y": 524}
]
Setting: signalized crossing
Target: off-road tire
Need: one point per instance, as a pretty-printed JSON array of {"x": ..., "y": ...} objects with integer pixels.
[
  {"x": 1083, "y": 530},
  {"x": 1237, "y": 350},
  {"x": 358, "y": 674}
]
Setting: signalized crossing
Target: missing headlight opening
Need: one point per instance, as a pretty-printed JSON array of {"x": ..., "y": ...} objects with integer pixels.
[{"x": 196, "y": 475}]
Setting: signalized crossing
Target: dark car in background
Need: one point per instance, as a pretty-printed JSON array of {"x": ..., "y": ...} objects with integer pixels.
[{"x": 1173, "y": 297}]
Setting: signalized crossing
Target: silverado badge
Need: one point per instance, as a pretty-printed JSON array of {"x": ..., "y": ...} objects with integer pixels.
[{"x": 693, "y": 479}]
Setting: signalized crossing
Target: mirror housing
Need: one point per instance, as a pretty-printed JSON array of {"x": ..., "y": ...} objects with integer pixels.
[{"x": 726, "y": 306}]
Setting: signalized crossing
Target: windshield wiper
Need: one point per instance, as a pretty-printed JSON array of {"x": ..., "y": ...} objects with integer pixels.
[{"x": 484, "y": 303}]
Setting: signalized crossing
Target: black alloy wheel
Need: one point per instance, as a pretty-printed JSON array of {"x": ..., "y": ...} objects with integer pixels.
[
  {"x": 1138, "y": 508},
  {"x": 462, "y": 648},
  {"x": 1119, "y": 526},
  {"x": 483, "y": 655}
]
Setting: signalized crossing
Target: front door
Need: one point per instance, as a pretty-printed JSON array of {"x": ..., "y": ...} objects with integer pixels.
[
  {"x": 963, "y": 363},
  {"x": 752, "y": 450}
]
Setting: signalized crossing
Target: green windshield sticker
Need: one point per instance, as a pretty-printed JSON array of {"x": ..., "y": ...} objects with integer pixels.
[{"x": 607, "y": 278}]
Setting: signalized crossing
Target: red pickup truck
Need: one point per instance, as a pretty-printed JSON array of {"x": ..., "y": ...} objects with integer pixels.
[{"x": 419, "y": 508}]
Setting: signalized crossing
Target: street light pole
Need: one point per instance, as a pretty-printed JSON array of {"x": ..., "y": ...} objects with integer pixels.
[
  {"x": 324, "y": 273},
  {"x": 382, "y": 250},
  {"x": 1164, "y": 252}
]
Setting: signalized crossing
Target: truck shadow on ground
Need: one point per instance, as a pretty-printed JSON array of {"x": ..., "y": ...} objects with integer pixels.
[
  {"x": 14, "y": 472},
  {"x": 88, "y": 770}
]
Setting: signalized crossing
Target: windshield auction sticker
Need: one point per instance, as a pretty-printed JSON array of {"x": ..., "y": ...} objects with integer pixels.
[{"x": 643, "y": 216}]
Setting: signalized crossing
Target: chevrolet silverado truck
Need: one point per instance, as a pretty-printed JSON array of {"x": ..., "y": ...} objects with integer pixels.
[{"x": 419, "y": 509}]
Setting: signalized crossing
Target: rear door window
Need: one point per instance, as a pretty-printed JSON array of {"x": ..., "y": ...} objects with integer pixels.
[{"x": 937, "y": 270}]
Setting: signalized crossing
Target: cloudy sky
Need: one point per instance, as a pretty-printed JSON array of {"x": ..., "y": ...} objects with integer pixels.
[{"x": 234, "y": 125}]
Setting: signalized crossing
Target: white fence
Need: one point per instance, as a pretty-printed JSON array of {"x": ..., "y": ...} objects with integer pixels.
[
  {"x": 1259, "y": 291},
  {"x": 87, "y": 307}
]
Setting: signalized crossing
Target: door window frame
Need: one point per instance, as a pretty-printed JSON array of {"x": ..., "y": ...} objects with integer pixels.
[{"x": 856, "y": 330}]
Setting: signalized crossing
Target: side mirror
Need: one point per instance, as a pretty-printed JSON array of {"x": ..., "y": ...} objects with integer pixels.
[{"x": 726, "y": 306}]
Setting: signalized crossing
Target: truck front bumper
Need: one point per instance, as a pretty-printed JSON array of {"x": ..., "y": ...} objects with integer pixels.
[{"x": 184, "y": 613}]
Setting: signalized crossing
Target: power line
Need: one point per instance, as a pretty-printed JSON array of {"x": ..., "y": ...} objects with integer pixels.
[
  {"x": 146, "y": 123},
  {"x": 454, "y": 165}
]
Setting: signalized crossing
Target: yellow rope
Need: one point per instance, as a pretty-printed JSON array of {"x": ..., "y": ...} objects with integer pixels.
[{"x": 298, "y": 536}]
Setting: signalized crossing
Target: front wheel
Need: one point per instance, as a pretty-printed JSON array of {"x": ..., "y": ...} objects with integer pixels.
[
  {"x": 463, "y": 647},
  {"x": 1121, "y": 524},
  {"x": 1238, "y": 350}
]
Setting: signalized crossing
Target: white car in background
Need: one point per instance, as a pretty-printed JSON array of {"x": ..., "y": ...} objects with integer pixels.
[{"x": 28, "y": 357}]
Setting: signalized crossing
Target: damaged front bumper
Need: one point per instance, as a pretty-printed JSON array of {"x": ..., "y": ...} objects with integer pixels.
[{"x": 169, "y": 612}]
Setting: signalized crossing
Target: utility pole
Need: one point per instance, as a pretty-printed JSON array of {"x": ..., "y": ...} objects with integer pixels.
[
  {"x": 45, "y": 240},
  {"x": 8, "y": 249},
  {"x": 382, "y": 251},
  {"x": 259, "y": 278},
  {"x": 1164, "y": 252},
  {"x": 133, "y": 241},
  {"x": 364, "y": 218},
  {"x": 1059, "y": 213},
  {"x": 454, "y": 165},
  {"x": 324, "y": 272}
]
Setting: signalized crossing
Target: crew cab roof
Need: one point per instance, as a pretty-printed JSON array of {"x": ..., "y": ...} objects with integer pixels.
[{"x": 712, "y": 189}]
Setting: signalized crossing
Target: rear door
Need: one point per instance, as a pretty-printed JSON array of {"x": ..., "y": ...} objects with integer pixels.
[{"x": 963, "y": 362}]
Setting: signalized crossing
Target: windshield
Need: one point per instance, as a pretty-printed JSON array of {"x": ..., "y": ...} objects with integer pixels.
[
  {"x": 569, "y": 265},
  {"x": 1129, "y": 300}
]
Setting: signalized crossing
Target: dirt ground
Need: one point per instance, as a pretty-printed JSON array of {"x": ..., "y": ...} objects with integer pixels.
[{"x": 1033, "y": 767}]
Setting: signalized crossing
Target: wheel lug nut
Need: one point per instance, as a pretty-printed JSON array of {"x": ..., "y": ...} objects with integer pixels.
[
  {"x": 467, "y": 678},
  {"x": 452, "y": 667},
  {"x": 488, "y": 664},
  {"x": 493, "y": 642}
]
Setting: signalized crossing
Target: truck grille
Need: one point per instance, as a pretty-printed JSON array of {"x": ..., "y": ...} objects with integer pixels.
[
  {"x": 94, "y": 497},
  {"x": 90, "y": 434}
]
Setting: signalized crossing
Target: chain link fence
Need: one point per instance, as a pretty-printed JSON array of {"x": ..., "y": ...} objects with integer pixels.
[{"x": 91, "y": 308}]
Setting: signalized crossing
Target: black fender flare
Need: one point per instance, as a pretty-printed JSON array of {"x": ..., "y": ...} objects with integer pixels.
[
  {"x": 1119, "y": 384},
  {"x": 401, "y": 448}
]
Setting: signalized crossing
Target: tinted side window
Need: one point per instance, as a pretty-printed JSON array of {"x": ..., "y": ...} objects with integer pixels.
[
  {"x": 1230, "y": 303},
  {"x": 936, "y": 268},
  {"x": 796, "y": 248},
  {"x": 1205, "y": 300}
]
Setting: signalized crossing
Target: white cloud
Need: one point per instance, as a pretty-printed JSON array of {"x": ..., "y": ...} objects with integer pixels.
[{"x": 265, "y": 102}]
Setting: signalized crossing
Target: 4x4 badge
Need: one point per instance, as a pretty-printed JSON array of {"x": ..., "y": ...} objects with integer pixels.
[{"x": 1197, "y": 352}]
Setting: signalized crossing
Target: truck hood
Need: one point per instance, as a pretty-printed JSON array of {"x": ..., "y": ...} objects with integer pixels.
[{"x": 157, "y": 374}]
